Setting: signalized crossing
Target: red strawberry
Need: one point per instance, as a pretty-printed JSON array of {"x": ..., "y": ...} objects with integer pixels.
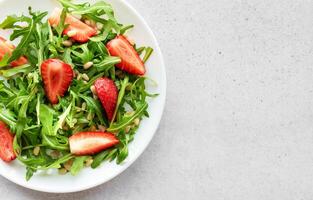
[
  {"x": 131, "y": 62},
  {"x": 76, "y": 29},
  {"x": 107, "y": 93},
  {"x": 6, "y": 143},
  {"x": 88, "y": 143},
  {"x": 57, "y": 77},
  {"x": 7, "y": 48}
]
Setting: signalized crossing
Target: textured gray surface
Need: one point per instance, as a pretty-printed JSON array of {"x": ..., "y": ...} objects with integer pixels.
[{"x": 239, "y": 113}]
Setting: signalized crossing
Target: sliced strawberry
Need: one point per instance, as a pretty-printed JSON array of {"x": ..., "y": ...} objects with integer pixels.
[
  {"x": 107, "y": 93},
  {"x": 7, "y": 48},
  {"x": 57, "y": 77},
  {"x": 131, "y": 62},
  {"x": 6, "y": 143},
  {"x": 88, "y": 143},
  {"x": 76, "y": 29}
]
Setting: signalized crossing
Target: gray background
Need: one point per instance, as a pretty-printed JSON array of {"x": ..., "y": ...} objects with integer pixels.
[{"x": 239, "y": 113}]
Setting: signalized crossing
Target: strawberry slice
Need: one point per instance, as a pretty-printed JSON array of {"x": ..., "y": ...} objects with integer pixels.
[
  {"x": 6, "y": 143},
  {"x": 88, "y": 143},
  {"x": 131, "y": 62},
  {"x": 76, "y": 29},
  {"x": 57, "y": 77},
  {"x": 107, "y": 92},
  {"x": 7, "y": 48}
]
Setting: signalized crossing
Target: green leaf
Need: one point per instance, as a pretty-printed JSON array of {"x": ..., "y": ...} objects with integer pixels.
[
  {"x": 120, "y": 96},
  {"x": 46, "y": 119},
  {"x": 4, "y": 60},
  {"x": 57, "y": 164},
  {"x": 13, "y": 71},
  {"x": 61, "y": 120},
  {"x": 78, "y": 165},
  {"x": 148, "y": 53},
  {"x": 126, "y": 28},
  {"x": 126, "y": 120},
  {"x": 10, "y": 21},
  {"x": 99, "y": 158}
]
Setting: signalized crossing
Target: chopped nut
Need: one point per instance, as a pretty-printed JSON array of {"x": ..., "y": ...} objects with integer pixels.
[
  {"x": 101, "y": 128},
  {"x": 62, "y": 171},
  {"x": 67, "y": 43},
  {"x": 85, "y": 77},
  {"x": 71, "y": 33},
  {"x": 88, "y": 162},
  {"x": 137, "y": 121},
  {"x": 36, "y": 150},
  {"x": 87, "y": 65},
  {"x": 68, "y": 164},
  {"x": 85, "y": 82}
]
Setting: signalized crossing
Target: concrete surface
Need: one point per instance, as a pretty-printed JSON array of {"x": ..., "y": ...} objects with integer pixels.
[{"x": 239, "y": 117}]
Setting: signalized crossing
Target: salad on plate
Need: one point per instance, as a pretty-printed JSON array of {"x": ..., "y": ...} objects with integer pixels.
[{"x": 72, "y": 91}]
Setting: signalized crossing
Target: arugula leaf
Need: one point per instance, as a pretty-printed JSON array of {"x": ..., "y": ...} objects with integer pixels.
[
  {"x": 46, "y": 119},
  {"x": 11, "y": 20},
  {"x": 13, "y": 71},
  {"x": 126, "y": 120},
  {"x": 78, "y": 165}
]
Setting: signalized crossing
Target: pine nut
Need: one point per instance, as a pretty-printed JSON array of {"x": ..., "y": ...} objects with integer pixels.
[
  {"x": 67, "y": 43},
  {"x": 68, "y": 164},
  {"x": 54, "y": 154},
  {"x": 93, "y": 89},
  {"x": 71, "y": 33},
  {"x": 127, "y": 129},
  {"x": 99, "y": 26},
  {"x": 101, "y": 128},
  {"x": 85, "y": 77},
  {"x": 87, "y": 65},
  {"x": 90, "y": 116},
  {"x": 36, "y": 150},
  {"x": 87, "y": 22},
  {"x": 137, "y": 121},
  {"x": 74, "y": 121},
  {"x": 88, "y": 162},
  {"x": 79, "y": 76},
  {"x": 84, "y": 105},
  {"x": 62, "y": 171},
  {"x": 93, "y": 128}
]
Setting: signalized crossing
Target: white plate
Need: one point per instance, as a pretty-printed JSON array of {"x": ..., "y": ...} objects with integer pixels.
[{"x": 88, "y": 178}]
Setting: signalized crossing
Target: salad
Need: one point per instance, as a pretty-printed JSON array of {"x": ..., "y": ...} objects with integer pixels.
[{"x": 72, "y": 92}]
